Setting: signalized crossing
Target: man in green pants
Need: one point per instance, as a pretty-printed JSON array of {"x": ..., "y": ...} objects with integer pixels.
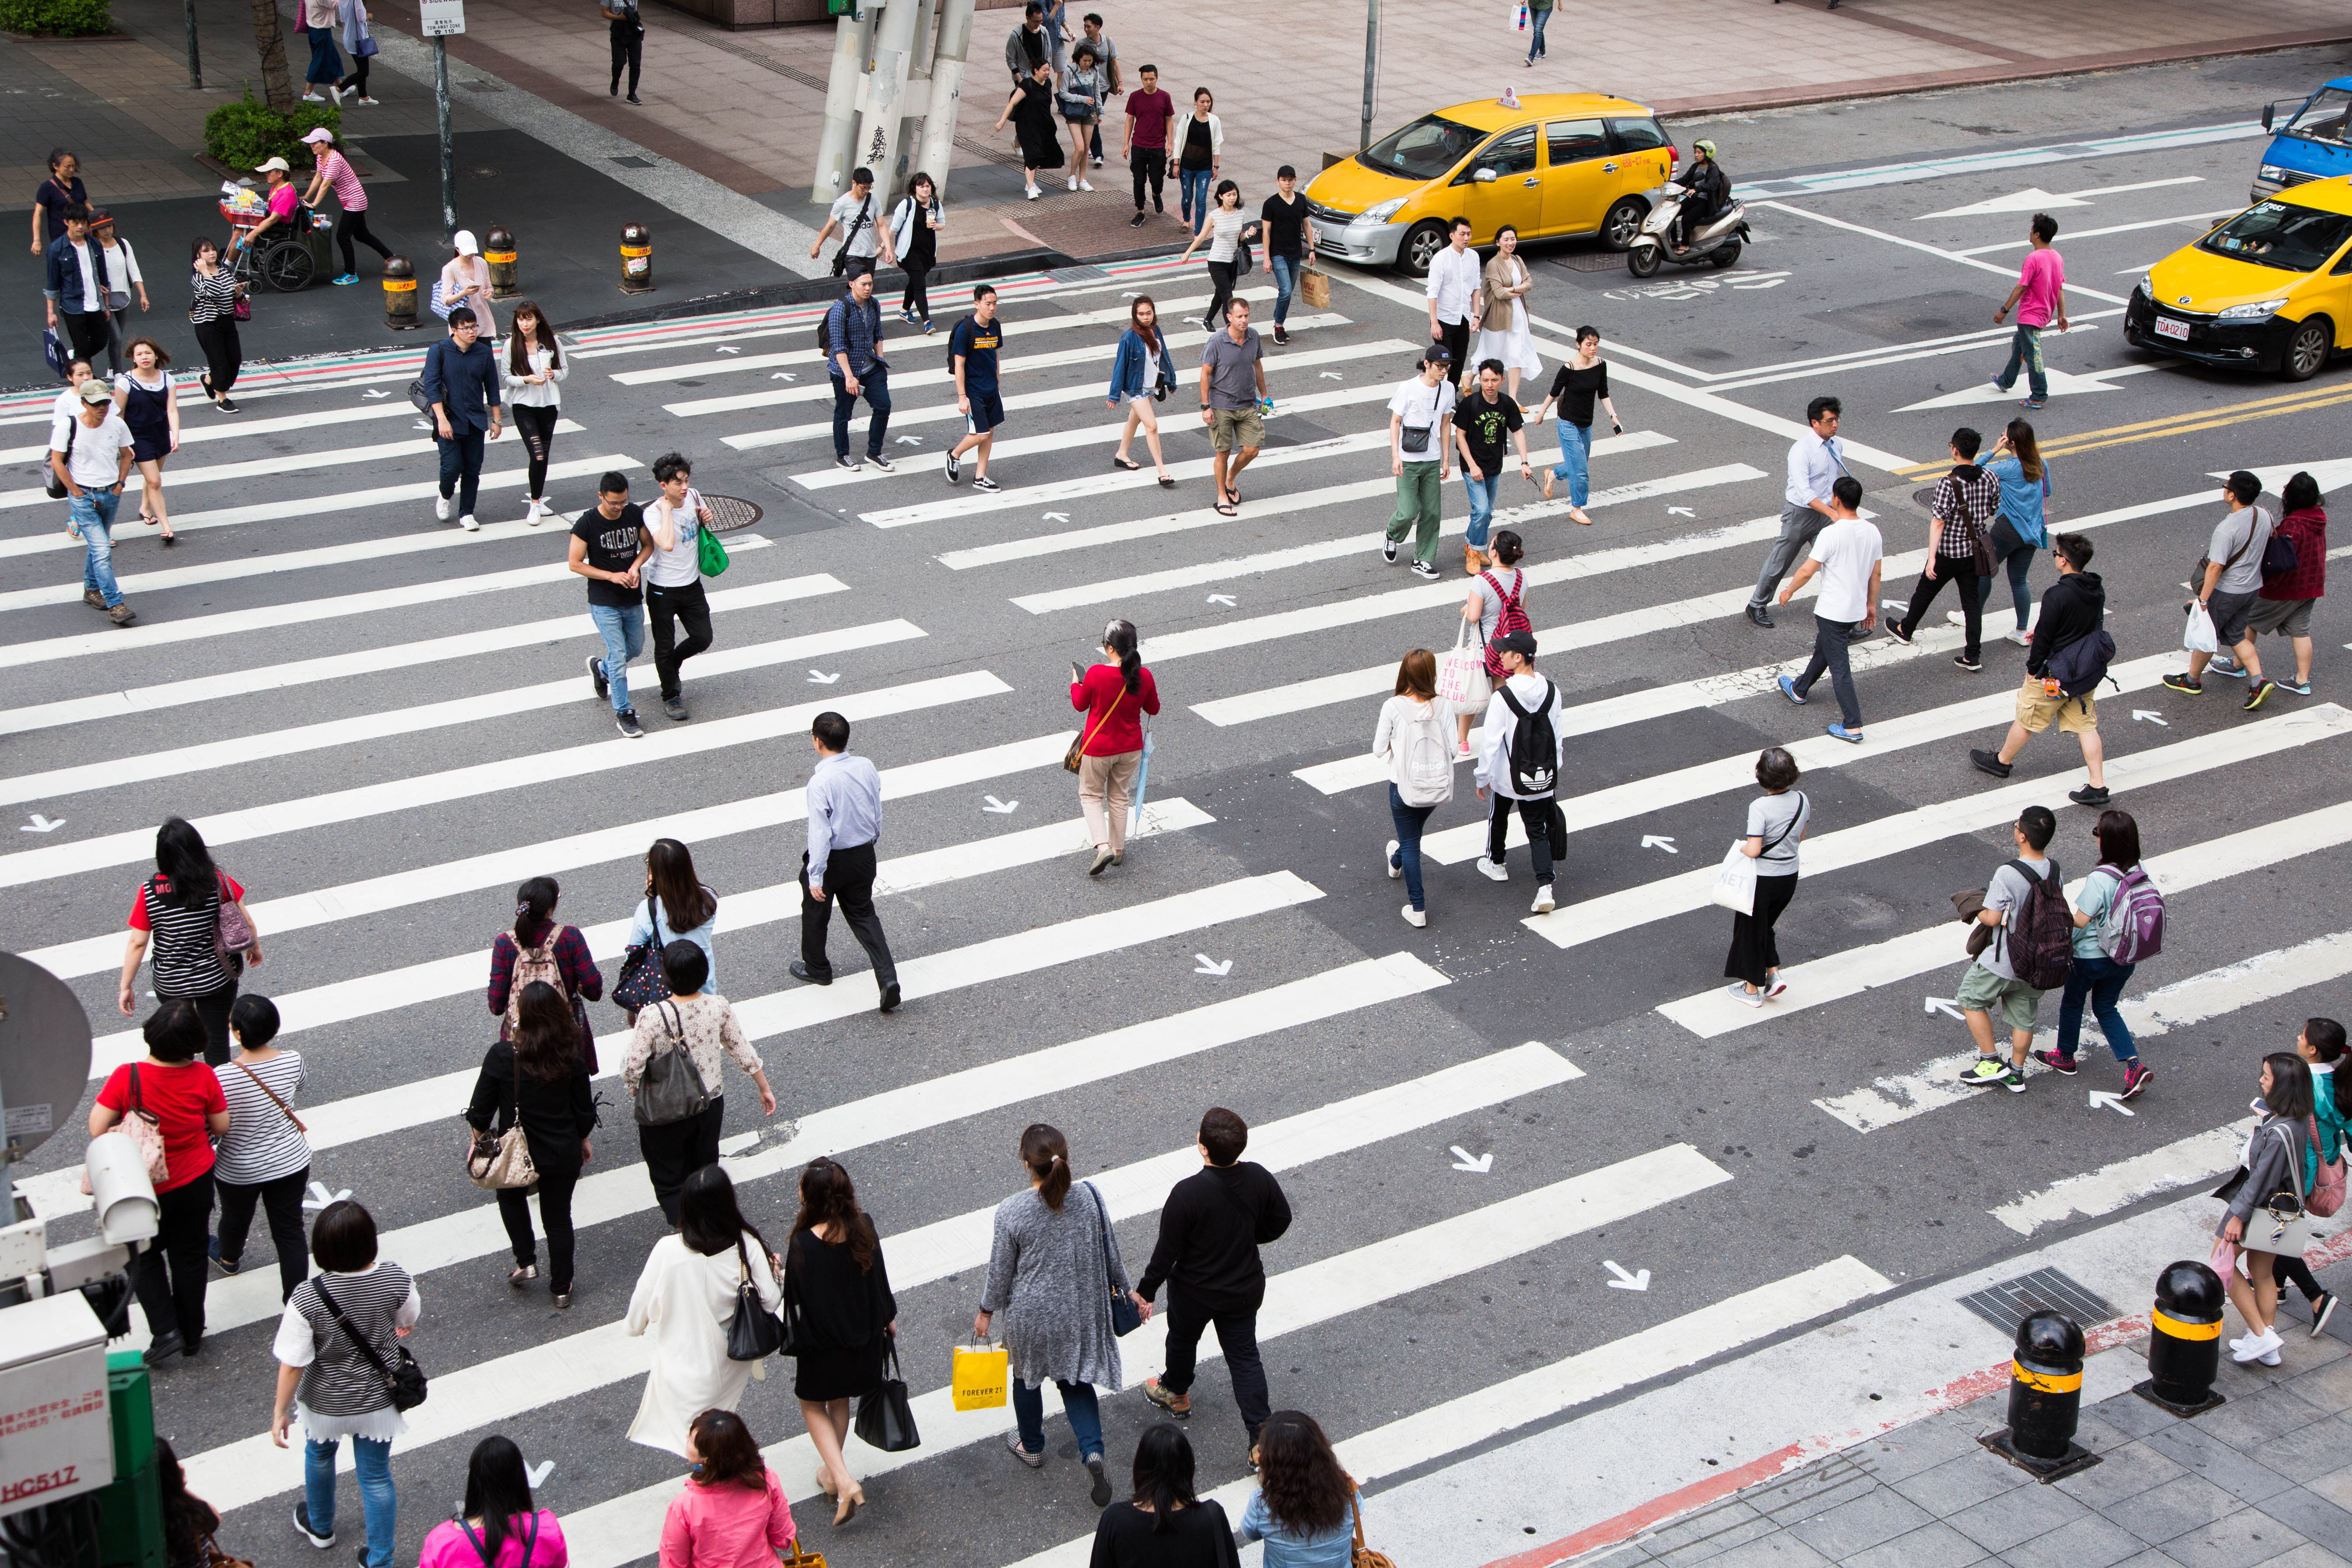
[{"x": 1420, "y": 419}]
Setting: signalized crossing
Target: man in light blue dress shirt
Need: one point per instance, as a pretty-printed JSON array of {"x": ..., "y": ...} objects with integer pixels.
[
  {"x": 1814, "y": 464},
  {"x": 844, "y": 819}
]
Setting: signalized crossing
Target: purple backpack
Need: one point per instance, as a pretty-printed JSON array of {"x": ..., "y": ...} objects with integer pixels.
[{"x": 2134, "y": 928}]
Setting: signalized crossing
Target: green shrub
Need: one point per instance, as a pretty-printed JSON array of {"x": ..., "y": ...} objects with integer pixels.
[
  {"x": 249, "y": 133},
  {"x": 56, "y": 18}
]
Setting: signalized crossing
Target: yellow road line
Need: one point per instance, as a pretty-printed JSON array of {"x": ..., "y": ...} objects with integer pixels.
[{"x": 2175, "y": 424}]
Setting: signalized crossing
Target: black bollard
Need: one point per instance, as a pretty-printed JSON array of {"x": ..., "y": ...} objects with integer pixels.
[
  {"x": 399, "y": 295},
  {"x": 636, "y": 259},
  {"x": 2184, "y": 1342},
  {"x": 2045, "y": 1400},
  {"x": 499, "y": 250}
]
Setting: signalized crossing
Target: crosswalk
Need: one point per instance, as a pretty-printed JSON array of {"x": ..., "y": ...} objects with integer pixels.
[{"x": 382, "y": 726}]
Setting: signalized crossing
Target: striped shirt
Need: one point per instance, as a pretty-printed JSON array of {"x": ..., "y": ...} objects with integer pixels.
[
  {"x": 186, "y": 963},
  {"x": 211, "y": 298},
  {"x": 262, "y": 1142},
  {"x": 337, "y": 1379},
  {"x": 345, "y": 179}
]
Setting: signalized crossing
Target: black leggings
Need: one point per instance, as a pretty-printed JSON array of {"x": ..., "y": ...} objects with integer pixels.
[
  {"x": 2289, "y": 1268},
  {"x": 1221, "y": 294},
  {"x": 169, "y": 1277},
  {"x": 353, "y": 226},
  {"x": 223, "y": 354},
  {"x": 358, "y": 78},
  {"x": 281, "y": 1200},
  {"x": 676, "y": 1150},
  {"x": 537, "y": 428},
  {"x": 919, "y": 286},
  {"x": 554, "y": 1212}
]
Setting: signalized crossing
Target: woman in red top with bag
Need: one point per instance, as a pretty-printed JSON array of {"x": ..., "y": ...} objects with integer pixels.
[
  {"x": 182, "y": 1101},
  {"x": 1115, "y": 695},
  {"x": 193, "y": 915}
]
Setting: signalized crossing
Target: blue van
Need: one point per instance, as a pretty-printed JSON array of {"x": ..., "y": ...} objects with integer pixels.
[{"x": 2309, "y": 142}]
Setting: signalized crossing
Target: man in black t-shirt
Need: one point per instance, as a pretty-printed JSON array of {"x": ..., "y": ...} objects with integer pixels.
[
  {"x": 609, "y": 544},
  {"x": 1483, "y": 422},
  {"x": 1289, "y": 243}
]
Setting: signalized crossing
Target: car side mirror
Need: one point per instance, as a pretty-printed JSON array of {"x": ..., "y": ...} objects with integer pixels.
[
  {"x": 2268, "y": 110},
  {"x": 1484, "y": 177}
]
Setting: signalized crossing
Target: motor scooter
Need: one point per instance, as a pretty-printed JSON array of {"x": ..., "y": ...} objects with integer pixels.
[{"x": 1717, "y": 242}]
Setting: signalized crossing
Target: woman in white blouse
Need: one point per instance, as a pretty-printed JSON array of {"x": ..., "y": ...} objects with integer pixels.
[
  {"x": 703, "y": 1025},
  {"x": 530, "y": 373},
  {"x": 685, "y": 1301}
]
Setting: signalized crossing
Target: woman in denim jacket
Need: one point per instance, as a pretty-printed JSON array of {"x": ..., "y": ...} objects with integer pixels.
[{"x": 1132, "y": 379}]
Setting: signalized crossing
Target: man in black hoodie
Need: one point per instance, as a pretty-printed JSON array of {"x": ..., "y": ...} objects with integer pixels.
[
  {"x": 1209, "y": 1230},
  {"x": 2073, "y": 608}
]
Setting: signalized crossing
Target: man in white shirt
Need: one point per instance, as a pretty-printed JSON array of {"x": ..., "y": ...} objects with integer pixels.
[
  {"x": 857, "y": 218},
  {"x": 1814, "y": 464},
  {"x": 1847, "y": 555},
  {"x": 92, "y": 456},
  {"x": 1524, "y": 697},
  {"x": 1454, "y": 275},
  {"x": 1421, "y": 416}
]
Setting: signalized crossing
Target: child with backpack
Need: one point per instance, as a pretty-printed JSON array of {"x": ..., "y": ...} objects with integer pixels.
[
  {"x": 1414, "y": 739},
  {"x": 2030, "y": 951},
  {"x": 2119, "y": 923}
]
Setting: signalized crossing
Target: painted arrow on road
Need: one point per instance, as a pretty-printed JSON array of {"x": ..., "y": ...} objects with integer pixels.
[
  {"x": 910, "y": 440},
  {"x": 536, "y": 1474},
  {"x": 996, "y": 807},
  {"x": 783, "y": 375},
  {"x": 1209, "y": 966},
  {"x": 1625, "y": 1281},
  {"x": 1225, "y": 599},
  {"x": 1680, "y": 512},
  {"x": 2149, "y": 716},
  {"x": 2111, "y": 1101},
  {"x": 819, "y": 677},
  {"x": 319, "y": 1197},
  {"x": 1333, "y": 375},
  {"x": 42, "y": 825},
  {"x": 1479, "y": 1165},
  {"x": 725, "y": 349},
  {"x": 1944, "y": 1005},
  {"x": 2035, "y": 199},
  {"x": 1655, "y": 841},
  {"x": 1057, "y": 517},
  {"x": 374, "y": 392}
]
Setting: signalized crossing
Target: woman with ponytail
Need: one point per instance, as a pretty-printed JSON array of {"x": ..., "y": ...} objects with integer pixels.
[
  {"x": 1115, "y": 696},
  {"x": 543, "y": 951},
  {"x": 1054, "y": 1253}
]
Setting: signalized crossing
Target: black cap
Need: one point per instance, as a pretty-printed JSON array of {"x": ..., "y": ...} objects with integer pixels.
[
  {"x": 1437, "y": 353},
  {"x": 1285, "y": 173},
  {"x": 1521, "y": 643}
]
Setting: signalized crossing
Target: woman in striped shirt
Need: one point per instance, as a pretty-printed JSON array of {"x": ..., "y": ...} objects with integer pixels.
[
  {"x": 335, "y": 170},
  {"x": 264, "y": 1157},
  {"x": 328, "y": 1383},
  {"x": 180, "y": 908},
  {"x": 212, "y": 311}
]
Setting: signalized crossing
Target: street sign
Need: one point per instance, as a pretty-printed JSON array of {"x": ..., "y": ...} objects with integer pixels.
[{"x": 441, "y": 18}]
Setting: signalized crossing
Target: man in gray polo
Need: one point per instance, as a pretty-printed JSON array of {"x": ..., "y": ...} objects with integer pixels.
[
  {"x": 1233, "y": 387},
  {"x": 1814, "y": 464}
]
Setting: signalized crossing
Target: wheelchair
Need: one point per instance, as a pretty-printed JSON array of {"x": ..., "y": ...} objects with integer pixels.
[{"x": 284, "y": 262}]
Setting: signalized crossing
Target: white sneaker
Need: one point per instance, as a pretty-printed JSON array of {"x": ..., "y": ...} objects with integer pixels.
[
  {"x": 1084, "y": 186},
  {"x": 441, "y": 509},
  {"x": 1074, "y": 182},
  {"x": 1494, "y": 870},
  {"x": 1390, "y": 859},
  {"x": 2023, "y": 639},
  {"x": 1033, "y": 192},
  {"x": 1542, "y": 905},
  {"x": 533, "y": 510},
  {"x": 2257, "y": 1347},
  {"x": 1414, "y": 916},
  {"x": 469, "y": 524}
]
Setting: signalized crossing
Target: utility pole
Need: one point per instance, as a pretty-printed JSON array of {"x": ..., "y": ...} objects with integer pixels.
[
  {"x": 438, "y": 20},
  {"x": 195, "y": 71},
  {"x": 1372, "y": 68}
]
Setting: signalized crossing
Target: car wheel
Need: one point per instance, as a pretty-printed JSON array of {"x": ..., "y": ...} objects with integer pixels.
[
  {"x": 1724, "y": 255},
  {"x": 2306, "y": 350},
  {"x": 1420, "y": 248},
  {"x": 1642, "y": 260},
  {"x": 1623, "y": 222}
]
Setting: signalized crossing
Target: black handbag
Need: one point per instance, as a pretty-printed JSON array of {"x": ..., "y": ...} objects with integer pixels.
[
  {"x": 670, "y": 1089},
  {"x": 641, "y": 982},
  {"x": 754, "y": 1334},
  {"x": 404, "y": 1379},
  {"x": 885, "y": 1417},
  {"x": 1124, "y": 1317}
]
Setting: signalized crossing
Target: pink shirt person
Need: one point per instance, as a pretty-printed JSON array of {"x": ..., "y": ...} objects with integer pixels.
[
  {"x": 2039, "y": 282},
  {"x": 727, "y": 1525},
  {"x": 447, "y": 1546}
]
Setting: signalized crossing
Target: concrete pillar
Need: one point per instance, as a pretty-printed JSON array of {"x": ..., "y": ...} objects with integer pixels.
[
  {"x": 954, "y": 41},
  {"x": 882, "y": 96},
  {"x": 851, "y": 36}
]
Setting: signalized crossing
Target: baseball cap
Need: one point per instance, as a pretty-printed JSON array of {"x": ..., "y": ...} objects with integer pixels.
[
  {"x": 465, "y": 243},
  {"x": 95, "y": 391},
  {"x": 1521, "y": 643},
  {"x": 280, "y": 164},
  {"x": 319, "y": 133},
  {"x": 1285, "y": 173},
  {"x": 1437, "y": 353}
]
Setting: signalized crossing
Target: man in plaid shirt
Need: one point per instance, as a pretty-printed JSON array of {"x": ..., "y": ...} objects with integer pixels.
[{"x": 1965, "y": 502}]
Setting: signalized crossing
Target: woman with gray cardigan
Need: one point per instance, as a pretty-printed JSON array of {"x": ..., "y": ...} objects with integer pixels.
[
  {"x": 2277, "y": 1173},
  {"x": 1052, "y": 1272}
]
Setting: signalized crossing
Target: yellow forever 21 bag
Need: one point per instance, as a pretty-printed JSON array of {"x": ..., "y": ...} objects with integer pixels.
[{"x": 981, "y": 1373}]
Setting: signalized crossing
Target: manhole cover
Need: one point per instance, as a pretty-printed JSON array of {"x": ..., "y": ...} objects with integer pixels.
[
  {"x": 1925, "y": 496},
  {"x": 2012, "y": 1301},
  {"x": 631, "y": 161},
  {"x": 733, "y": 511},
  {"x": 1590, "y": 260}
]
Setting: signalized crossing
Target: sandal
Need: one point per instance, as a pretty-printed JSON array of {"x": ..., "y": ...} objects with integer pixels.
[
  {"x": 170, "y": 540},
  {"x": 1167, "y": 481},
  {"x": 1129, "y": 464},
  {"x": 1576, "y": 515},
  {"x": 1225, "y": 509}
]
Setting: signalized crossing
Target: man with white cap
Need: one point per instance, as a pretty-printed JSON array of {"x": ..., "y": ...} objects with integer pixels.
[
  {"x": 93, "y": 461},
  {"x": 465, "y": 281},
  {"x": 284, "y": 200}
]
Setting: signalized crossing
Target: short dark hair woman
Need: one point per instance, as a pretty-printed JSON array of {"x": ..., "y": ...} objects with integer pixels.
[
  {"x": 498, "y": 1511},
  {"x": 684, "y": 1300},
  {"x": 265, "y": 1157},
  {"x": 333, "y": 1389},
  {"x": 1776, "y": 822},
  {"x": 697, "y": 1020},
  {"x": 213, "y": 295},
  {"x": 2094, "y": 976},
  {"x": 2274, "y": 1178},
  {"x": 185, "y": 1099},
  {"x": 732, "y": 1503},
  {"x": 835, "y": 1277},
  {"x": 1165, "y": 1523},
  {"x": 1305, "y": 1506},
  {"x": 915, "y": 223},
  {"x": 179, "y": 908},
  {"x": 540, "y": 1080}
]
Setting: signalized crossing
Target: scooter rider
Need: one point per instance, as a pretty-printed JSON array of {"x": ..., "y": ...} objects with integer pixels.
[{"x": 1711, "y": 193}]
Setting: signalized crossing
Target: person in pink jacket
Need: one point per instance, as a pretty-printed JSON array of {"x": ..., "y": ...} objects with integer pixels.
[
  {"x": 498, "y": 1525},
  {"x": 731, "y": 1512}
]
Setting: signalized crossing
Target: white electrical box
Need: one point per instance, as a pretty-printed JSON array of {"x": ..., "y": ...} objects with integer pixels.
[{"x": 56, "y": 1440}]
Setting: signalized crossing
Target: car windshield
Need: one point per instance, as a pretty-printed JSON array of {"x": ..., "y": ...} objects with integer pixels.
[
  {"x": 2324, "y": 119},
  {"x": 1423, "y": 150},
  {"x": 2282, "y": 234}
]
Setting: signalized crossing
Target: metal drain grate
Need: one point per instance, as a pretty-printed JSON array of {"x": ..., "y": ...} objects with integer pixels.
[
  {"x": 1590, "y": 261},
  {"x": 631, "y": 161},
  {"x": 1078, "y": 275},
  {"x": 2012, "y": 1301},
  {"x": 733, "y": 511}
]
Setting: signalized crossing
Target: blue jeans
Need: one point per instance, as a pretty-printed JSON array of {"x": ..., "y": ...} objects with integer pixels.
[
  {"x": 1196, "y": 185},
  {"x": 874, "y": 387},
  {"x": 461, "y": 465},
  {"x": 1482, "y": 506},
  {"x": 623, "y": 627},
  {"x": 379, "y": 1504},
  {"x": 2102, "y": 979},
  {"x": 1575, "y": 463},
  {"x": 1830, "y": 642},
  {"x": 2020, "y": 562},
  {"x": 1535, "y": 47},
  {"x": 1079, "y": 1402},
  {"x": 1408, "y": 820},
  {"x": 92, "y": 514},
  {"x": 1285, "y": 278},
  {"x": 2025, "y": 349}
]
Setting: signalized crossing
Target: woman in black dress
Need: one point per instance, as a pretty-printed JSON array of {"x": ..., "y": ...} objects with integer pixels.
[
  {"x": 837, "y": 1287},
  {"x": 1031, "y": 110},
  {"x": 540, "y": 1080},
  {"x": 1166, "y": 1524}
]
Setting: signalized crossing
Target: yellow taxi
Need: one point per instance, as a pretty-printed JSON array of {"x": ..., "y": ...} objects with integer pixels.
[
  {"x": 2271, "y": 288},
  {"x": 1554, "y": 164}
]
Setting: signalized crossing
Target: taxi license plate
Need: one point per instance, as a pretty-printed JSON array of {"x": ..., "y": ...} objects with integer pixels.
[{"x": 2166, "y": 327}]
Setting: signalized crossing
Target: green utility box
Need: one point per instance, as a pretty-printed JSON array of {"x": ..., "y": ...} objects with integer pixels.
[{"x": 131, "y": 1512}]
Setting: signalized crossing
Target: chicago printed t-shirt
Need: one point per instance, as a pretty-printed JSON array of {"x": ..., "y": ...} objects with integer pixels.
[
  {"x": 612, "y": 546},
  {"x": 978, "y": 344},
  {"x": 1847, "y": 550}
]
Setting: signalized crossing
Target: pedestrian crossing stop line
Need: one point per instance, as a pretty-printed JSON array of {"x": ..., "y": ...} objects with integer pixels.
[
  {"x": 617, "y": 1532},
  {"x": 2187, "y": 1162},
  {"x": 1469, "y": 1419},
  {"x": 1596, "y": 919},
  {"x": 1899, "y": 959},
  {"x": 500, "y": 1389}
]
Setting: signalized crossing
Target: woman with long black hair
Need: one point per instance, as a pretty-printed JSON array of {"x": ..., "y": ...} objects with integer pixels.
[
  {"x": 1305, "y": 1506},
  {"x": 915, "y": 223},
  {"x": 540, "y": 1078},
  {"x": 677, "y": 906},
  {"x": 498, "y": 1512},
  {"x": 188, "y": 1519},
  {"x": 213, "y": 295},
  {"x": 2273, "y": 1177},
  {"x": 180, "y": 908},
  {"x": 540, "y": 949},
  {"x": 1166, "y": 1523},
  {"x": 1142, "y": 374},
  {"x": 534, "y": 364},
  {"x": 686, "y": 1298},
  {"x": 835, "y": 1281},
  {"x": 1114, "y": 695}
]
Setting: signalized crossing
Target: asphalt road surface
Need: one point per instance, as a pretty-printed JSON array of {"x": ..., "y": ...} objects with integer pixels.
[{"x": 383, "y": 726}]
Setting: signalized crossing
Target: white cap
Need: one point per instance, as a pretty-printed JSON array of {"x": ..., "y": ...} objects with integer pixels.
[
  {"x": 463, "y": 240},
  {"x": 278, "y": 164},
  {"x": 319, "y": 133}
]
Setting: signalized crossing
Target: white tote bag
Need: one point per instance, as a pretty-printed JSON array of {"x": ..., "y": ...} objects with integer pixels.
[
  {"x": 2198, "y": 636},
  {"x": 1462, "y": 683},
  {"x": 1735, "y": 881}
]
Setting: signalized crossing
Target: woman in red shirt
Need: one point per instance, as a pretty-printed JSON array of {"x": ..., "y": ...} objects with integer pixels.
[
  {"x": 1114, "y": 696},
  {"x": 185, "y": 1099}
]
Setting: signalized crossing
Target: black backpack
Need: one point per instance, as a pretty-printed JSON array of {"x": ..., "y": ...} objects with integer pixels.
[
  {"x": 2079, "y": 665},
  {"x": 824, "y": 335},
  {"x": 2041, "y": 931},
  {"x": 1535, "y": 750}
]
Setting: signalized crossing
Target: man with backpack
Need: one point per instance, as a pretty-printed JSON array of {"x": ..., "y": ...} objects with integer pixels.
[
  {"x": 2063, "y": 666},
  {"x": 853, "y": 357},
  {"x": 1518, "y": 765},
  {"x": 2031, "y": 949}
]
